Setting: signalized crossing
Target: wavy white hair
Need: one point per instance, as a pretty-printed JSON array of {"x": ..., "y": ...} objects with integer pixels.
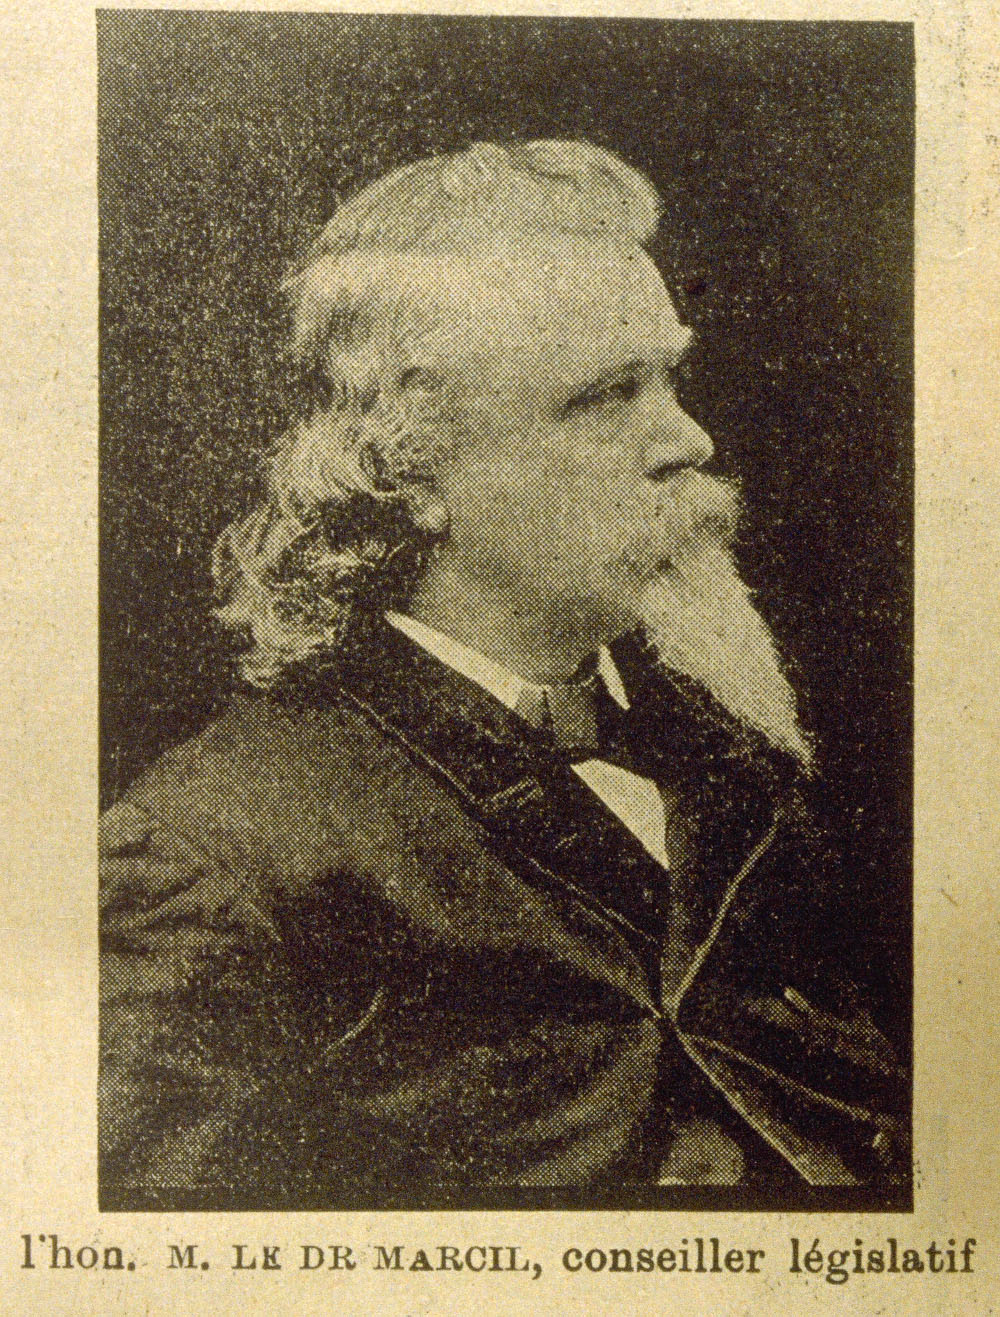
[{"x": 333, "y": 538}]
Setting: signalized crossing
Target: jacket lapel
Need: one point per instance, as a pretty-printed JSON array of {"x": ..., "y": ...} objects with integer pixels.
[
  {"x": 536, "y": 811},
  {"x": 535, "y": 818}
]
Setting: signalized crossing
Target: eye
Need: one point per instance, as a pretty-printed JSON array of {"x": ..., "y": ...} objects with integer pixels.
[
  {"x": 603, "y": 395},
  {"x": 419, "y": 379}
]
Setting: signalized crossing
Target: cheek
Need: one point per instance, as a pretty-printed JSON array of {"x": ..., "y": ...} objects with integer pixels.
[
  {"x": 493, "y": 525},
  {"x": 598, "y": 513},
  {"x": 498, "y": 494},
  {"x": 540, "y": 512}
]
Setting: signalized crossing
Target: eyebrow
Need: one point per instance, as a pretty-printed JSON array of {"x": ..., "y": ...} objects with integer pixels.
[{"x": 671, "y": 359}]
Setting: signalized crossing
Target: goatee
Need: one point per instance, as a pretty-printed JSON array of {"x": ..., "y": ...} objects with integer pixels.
[{"x": 701, "y": 621}]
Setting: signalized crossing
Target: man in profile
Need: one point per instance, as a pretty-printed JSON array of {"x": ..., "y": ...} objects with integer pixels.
[{"x": 500, "y": 871}]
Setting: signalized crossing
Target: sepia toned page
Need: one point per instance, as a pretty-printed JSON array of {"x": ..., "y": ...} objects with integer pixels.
[{"x": 500, "y": 739}]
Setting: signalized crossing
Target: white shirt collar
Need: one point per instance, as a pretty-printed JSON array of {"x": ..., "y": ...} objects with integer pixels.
[{"x": 493, "y": 677}]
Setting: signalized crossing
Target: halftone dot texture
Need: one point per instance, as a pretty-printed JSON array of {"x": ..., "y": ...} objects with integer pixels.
[{"x": 319, "y": 983}]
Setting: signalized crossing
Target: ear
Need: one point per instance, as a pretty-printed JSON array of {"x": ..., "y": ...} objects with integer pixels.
[
  {"x": 420, "y": 392},
  {"x": 425, "y": 505}
]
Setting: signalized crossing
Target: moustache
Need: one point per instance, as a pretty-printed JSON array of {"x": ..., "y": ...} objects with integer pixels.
[{"x": 691, "y": 511}]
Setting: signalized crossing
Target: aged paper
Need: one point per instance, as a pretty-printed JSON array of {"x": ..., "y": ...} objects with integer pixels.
[{"x": 61, "y": 1252}]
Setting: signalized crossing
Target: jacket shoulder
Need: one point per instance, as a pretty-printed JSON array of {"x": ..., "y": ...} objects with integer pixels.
[{"x": 290, "y": 787}]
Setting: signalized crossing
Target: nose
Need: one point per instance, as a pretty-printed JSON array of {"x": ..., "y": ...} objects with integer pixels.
[{"x": 673, "y": 439}]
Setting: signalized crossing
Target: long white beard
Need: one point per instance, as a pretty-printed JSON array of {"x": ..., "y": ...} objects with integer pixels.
[{"x": 700, "y": 618}]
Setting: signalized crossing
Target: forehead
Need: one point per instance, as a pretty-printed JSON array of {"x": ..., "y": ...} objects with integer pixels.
[{"x": 546, "y": 310}]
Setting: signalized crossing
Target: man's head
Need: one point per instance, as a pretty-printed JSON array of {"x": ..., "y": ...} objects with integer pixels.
[{"x": 492, "y": 360}]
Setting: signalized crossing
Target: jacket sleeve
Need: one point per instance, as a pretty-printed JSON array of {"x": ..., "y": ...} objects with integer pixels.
[{"x": 207, "y": 1034}]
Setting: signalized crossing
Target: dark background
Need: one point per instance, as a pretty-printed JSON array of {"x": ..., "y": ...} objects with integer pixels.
[{"x": 785, "y": 154}]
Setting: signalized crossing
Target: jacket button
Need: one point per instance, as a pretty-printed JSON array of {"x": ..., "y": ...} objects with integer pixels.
[{"x": 882, "y": 1146}]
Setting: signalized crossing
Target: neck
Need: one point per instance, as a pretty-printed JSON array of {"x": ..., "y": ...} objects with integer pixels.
[{"x": 522, "y": 639}]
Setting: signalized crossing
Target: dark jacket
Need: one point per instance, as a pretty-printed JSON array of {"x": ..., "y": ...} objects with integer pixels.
[{"x": 368, "y": 942}]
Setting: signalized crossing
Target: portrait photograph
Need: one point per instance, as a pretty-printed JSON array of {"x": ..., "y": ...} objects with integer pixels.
[{"x": 506, "y": 611}]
